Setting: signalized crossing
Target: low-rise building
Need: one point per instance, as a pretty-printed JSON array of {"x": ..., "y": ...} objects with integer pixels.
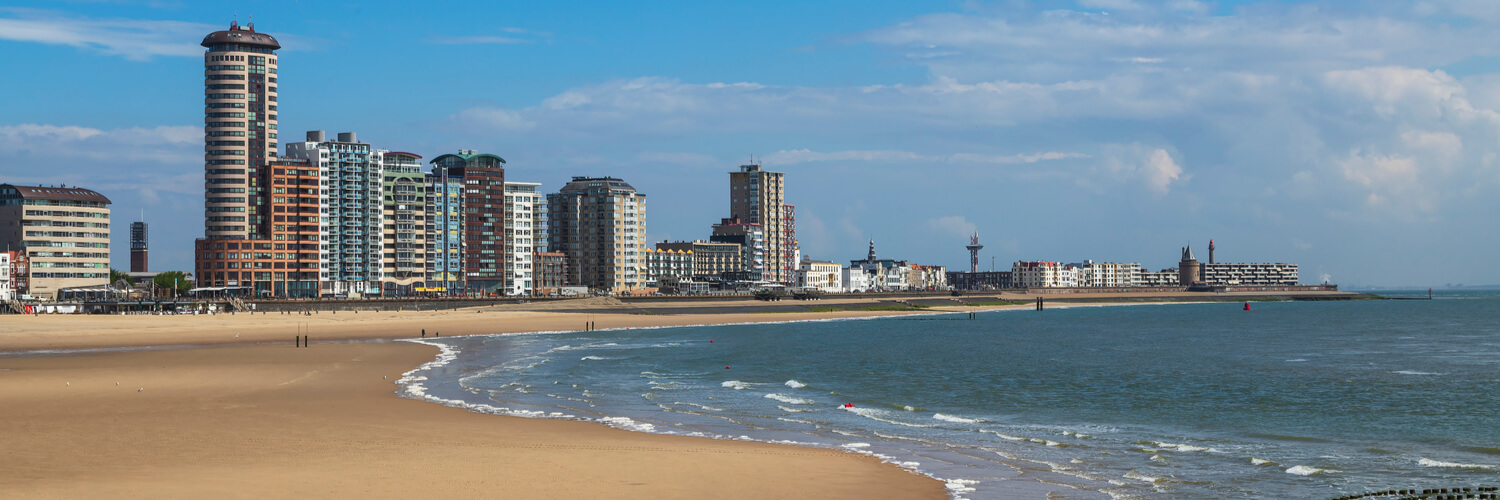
[
  {"x": 1042, "y": 274},
  {"x": 1108, "y": 274},
  {"x": 64, "y": 232},
  {"x": 1250, "y": 274},
  {"x": 827, "y": 277},
  {"x": 984, "y": 280},
  {"x": 550, "y": 272},
  {"x": 925, "y": 277},
  {"x": 751, "y": 238},
  {"x": 662, "y": 264},
  {"x": 7, "y": 286},
  {"x": 710, "y": 258},
  {"x": 1165, "y": 277},
  {"x": 856, "y": 280}
]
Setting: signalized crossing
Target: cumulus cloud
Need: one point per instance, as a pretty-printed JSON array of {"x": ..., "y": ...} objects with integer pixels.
[{"x": 1152, "y": 167}]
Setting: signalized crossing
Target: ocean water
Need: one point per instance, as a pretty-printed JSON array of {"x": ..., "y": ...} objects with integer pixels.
[{"x": 1289, "y": 400}]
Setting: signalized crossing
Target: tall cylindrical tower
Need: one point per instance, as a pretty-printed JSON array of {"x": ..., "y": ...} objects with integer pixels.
[
  {"x": 239, "y": 82},
  {"x": 974, "y": 248}
]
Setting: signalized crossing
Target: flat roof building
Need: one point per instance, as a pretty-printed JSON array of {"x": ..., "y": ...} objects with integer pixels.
[{"x": 63, "y": 231}]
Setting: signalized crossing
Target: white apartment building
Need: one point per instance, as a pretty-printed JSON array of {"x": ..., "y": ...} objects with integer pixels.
[
  {"x": 1108, "y": 274},
  {"x": 1042, "y": 274},
  {"x": 827, "y": 277},
  {"x": 1165, "y": 277},
  {"x": 350, "y": 251},
  {"x": 7, "y": 288},
  {"x": 856, "y": 280},
  {"x": 1250, "y": 274},
  {"x": 521, "y": 201}
]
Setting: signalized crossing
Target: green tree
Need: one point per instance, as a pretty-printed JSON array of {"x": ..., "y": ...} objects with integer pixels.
[
  {"x": 115, "y": 276},
  {"x": 173, "y": 279}
]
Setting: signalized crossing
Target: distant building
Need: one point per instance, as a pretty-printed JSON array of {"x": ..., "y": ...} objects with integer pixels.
[
  {"x": 64, "y": 232},
  {"x": 759, "y": 196},
  {"x": 1250, "y": 274},
  {"x": 825, "y": 276},
  {"x": 751, "y": 237},
  {"x": 1042, "y": 274},
  {"x": 285, "y": 261},
  {"x": 1108, "y": 274},
  {"x": 403, "y": 231},
  {"x": 550, "y": 271},
  {"x": 140, "y": 241},
  {"x": 665, "y": 263},
  {"x": 600, "y": 223},
  {"x": 351, "y": 249},
  {"x": 17, "y": 272},
  {"x": 984, "y": 280},
  {"x": 1188, "y": 270},
  {"x": 443, "y": 217},
  {"x": 7, "y": 285},
  {"x": 483, "y": 217},
  {"x": 710, "y": 258},
  {"x": 876, "y": 274},
  {"x": 925, "y": 277},
  {"x": 521, "y": 200},
  {"x": 1165, "y": 277}
]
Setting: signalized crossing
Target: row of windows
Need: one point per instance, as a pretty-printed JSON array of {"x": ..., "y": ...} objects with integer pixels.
[
  {"x": 61, "y": 213},
  {"x": 58, "y": 223},
  {"x": 226, "y": 124},
  {"x": 227, "y": 190},
  {"x": 76, "y": 255},
  {"x": 62, "y": 244},
  {"x": 225, "y": 67},
  {"x": 86, "y": 265},
  {"x": 234, "y": 86},
  {"x": 226, "y": 152},
  {"x": 224, "y": 96},
  {"x": 226, "y": 133},
  {"x": 230, "y": 199},
  {"x": 227, "y": 115},
  {"x": 66, "y": 234},
  {"x": 225, "y": 209},
  {"x": 226, "y": 143},
  {"x": 222, "y": 105},
  {"x": 226, "y": 181},
  {"x": 70, "y": 275},
  {"x": 226, "y": 162}
]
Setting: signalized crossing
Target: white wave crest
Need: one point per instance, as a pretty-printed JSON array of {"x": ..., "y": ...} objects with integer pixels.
[
  {"x": 1303, "y": 470},
  {"x": 795, "y": 384},
  {"x": 593, "y": 358},
  {"x": 789, "y": 409},
  {"x": 1260, "y": 461},
  {"x": 1182, "y": 447},
  {"x": 789, "y": 400},
  {"x": 1142, "y": 477},
  {"x": 736, "y": 385},
  {"x": 960, "y": 485},
  {"x": 957, "y": 420},
  {"x": 882, "y": 416},
  {"x": 1434, "y": 463},
  {"x": 627, "y": 424},
  {"x": 1410, "y": 372}
]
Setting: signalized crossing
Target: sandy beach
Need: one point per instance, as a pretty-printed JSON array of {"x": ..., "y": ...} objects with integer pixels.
[{"x": 244, "y": 414}]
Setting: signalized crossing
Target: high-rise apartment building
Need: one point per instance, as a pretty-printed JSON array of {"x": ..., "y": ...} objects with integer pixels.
[
  {"x": 444, "y": 238},
  {"x": 483, "y": 250},
  {"x": 239, "y": 71},
  {"x": 140, "y": 243},
  {"x": 758, "y": 196},
  {"x": 521, "y": 200},
  {"x": 403, "y": 221},
  {"x": 63, "y": 231},
  {"x": 751, "y": 238},
  {"x": 352, "y": 239},
  {"x": 285, "y": 263},
  {"x": 600, "y": 224}
]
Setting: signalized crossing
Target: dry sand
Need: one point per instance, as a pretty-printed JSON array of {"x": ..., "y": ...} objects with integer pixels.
[{"x": 279, "y": 422}]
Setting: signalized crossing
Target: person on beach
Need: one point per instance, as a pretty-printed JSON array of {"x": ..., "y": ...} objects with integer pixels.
[{"x": 424, "y": 333}]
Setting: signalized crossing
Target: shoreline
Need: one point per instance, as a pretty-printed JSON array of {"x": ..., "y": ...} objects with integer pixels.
[{"x": 49, "y": 344}]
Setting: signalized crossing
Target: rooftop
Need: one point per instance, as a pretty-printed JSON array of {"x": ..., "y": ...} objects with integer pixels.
[
  {"x": 245, "y": 36},
  {"x": 51, "y": 193}
]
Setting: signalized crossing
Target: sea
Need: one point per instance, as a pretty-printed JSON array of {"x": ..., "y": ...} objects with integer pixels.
[{"x": 1196, "y": 400}]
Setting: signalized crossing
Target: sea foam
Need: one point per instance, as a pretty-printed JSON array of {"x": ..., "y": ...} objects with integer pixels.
[
  {"x": 1434, "y": 463},
  {"x": 1303, "y": 470},
  {"x": 795, "y": 384},
  {"x": 958, "y": 420},
  {"x": 736, "y": 385},
  {"x": 789, "y": 399}
]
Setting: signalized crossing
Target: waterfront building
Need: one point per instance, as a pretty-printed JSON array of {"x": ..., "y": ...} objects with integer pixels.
[
  {"x": 856, "y": 280},
  {"x": 240, "y": 90},
  {"x": 403, "y": 232},
  {"x": 17, "y": 273},
  {"x": 287, "y": 261},
  {"x": 352, "y": 257},
  {"x": 521, "y": 200},
  {"x": 664, "y": 264},
  {"x": 880, "y": 274},
  {"x": 444, "y": 233},
  {"x": 600, "y": 224},
  {"x": 1243, "y": 274},
  {"x": 926, "y": 277},
  {"x": 483, "y": 247},
  {"x": 551, "y": 272},
  {"x": 751, "y": 237},
  {"x": 758, "y": 196},
  {"x": 1165, "y": 277},
  {"x": 139, "y": 245},
  {"x": 7, "y": 285},
  {"x": 827, "y": 277},
  {"x": 1042, "y": 274},
  {"x": 983, "y": 280},
  {"x": 1188, "y": 270},
  {"x": 64, "y": 232},
  {"x": 710, "y": 258},
  {"x": 1108, "y": 274}
]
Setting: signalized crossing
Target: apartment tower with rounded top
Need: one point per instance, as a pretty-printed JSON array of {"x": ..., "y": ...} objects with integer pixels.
[{"x": 239, "y": 101}]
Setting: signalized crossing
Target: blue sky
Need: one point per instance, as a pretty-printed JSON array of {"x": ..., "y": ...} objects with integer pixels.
[{"x": 1357, "y": 139}]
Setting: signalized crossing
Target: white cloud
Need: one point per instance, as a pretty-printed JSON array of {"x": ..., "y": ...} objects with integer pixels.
[
  {"x": 955, "y": 226},
  {"x": 1153, "y": 167},
  {"x": 131, "y": 38}
]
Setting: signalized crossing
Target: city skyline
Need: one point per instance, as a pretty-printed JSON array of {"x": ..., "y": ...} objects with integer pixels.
[{"x": 1372, "y": 196}]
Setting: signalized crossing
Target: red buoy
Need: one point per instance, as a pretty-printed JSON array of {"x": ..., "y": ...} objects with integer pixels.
[
  {"x": 848, "y": 405},
  {"x": 726, "y": 368},
  {"x": 1247, "y": 306},
  {"x": 710, "y": 341}
]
